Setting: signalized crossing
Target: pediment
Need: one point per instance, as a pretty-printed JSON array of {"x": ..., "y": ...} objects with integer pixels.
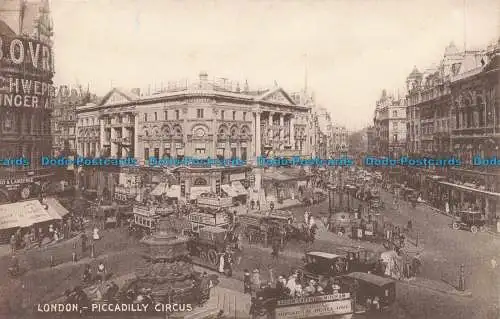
[
  {"x": 115, "y": 97},
  {"x": 278, "y": 96}
]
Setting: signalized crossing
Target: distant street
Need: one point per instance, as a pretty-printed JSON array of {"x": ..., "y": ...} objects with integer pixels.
[{"x": 444, "y": 249}]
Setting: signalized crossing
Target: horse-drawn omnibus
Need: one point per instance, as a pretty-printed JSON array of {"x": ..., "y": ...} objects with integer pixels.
[
  {"x": 260, "y": 228},
  {"x": 145, "y": 221},
  {"x": 208, "y": 217}
]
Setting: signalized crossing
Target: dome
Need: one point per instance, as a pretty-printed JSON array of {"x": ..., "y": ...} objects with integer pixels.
[
  {"x": 415, "y": 73},
  {"x": 451, "y": 49}
]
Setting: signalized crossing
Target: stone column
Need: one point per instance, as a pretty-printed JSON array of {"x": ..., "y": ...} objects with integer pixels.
[
  {"x": 102, "y": 135},
  {"x": 114, "y": 147},
  {"x": 213, "y": 153},
  {"x": 123, "y": 135},
  {"x": 282, "y": 128},
  {"x": 135, "y": 142},
  {"x": 271, "y": 114},
  {"x": 292, "y": 132},
  {"x": 257, "y": 135}
]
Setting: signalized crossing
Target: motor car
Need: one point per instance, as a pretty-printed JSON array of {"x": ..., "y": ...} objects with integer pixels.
[
  {"x": 470, "y": 220},
  {"x": 318, "y": 263}
]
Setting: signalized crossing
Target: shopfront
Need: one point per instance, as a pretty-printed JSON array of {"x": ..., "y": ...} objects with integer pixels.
[{"x": 195, "y": 181}]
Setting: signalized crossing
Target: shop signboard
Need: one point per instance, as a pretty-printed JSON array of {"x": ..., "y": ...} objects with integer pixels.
[
  {"x": 16, "y": 181},
  {"x": 18, "y": 55},
  {"x": 312, "y": 307}
]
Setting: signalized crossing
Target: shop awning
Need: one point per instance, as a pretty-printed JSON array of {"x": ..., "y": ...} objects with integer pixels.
[
  {"x": 55, "y": 208},
  {"x": 24, "y": 214},
  {"x": 159, "y": 190},
  {"x": 471, "y": 189},
  {"x": 239, "y": 188},
  {"x": 229, "y": 190}
]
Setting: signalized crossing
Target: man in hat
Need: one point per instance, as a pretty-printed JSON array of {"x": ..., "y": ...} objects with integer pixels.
[
  {"x": 310, "y": 289},
  {"x": 255, "y": 283},
  {"x": 281, "y": 285},
  {"x": 291, "y": 284}
]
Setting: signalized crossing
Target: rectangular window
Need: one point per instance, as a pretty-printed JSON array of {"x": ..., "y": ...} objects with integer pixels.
[
  {"x": 243, "y": 153},
  {"x": 177, "y": 115},
  {"x": 156, "y": 116},
  {"x": 199, "y": 113},
  {"x": 145, "y": 117},
  {"x": 157, "y": 153},
  {"x": 233, "y": 153},
  {"x": 244, "y": 116},
  {"x": 234, "y": 115},
  {"x": 146, "y": 154},
  {"x": 199, "y": 152},
  {"x": 221, "y": 115},
  {"x": 395, "y": 137},
  {"x": 166, "y": 153},
  {"x": 166, "y": 115}
]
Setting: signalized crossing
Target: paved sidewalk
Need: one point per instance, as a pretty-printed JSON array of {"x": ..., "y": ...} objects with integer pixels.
[{"x": 434, "y": 285}]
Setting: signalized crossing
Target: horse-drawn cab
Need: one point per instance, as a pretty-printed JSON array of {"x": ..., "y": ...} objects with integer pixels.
[
  {"x": 470, "y": 220},
  {"x": 324, "y": 264},
  {"x": 374, "y": 293}
]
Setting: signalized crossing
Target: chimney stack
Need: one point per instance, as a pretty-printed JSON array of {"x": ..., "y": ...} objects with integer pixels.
[{"x": 203, "y": 76}]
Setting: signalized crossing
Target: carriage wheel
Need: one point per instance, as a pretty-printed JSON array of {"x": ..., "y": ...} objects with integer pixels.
[
  {"x": 212, "y": 257},
  {"x": 340, "y": 234},
  {"x": 473, "y": 229},
  {"x": 482, "y": 229},
  {"x": 456, "y": 226}
]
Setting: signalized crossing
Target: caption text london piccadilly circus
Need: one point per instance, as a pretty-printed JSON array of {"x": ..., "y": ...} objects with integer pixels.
[{"x": 26, "y": 71}]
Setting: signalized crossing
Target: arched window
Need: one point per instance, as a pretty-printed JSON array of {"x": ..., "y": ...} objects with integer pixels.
[
  {"x": 234, "y": 131},
  {"x": 200, "y": 182},
  {"x": 178, "y": 131}
]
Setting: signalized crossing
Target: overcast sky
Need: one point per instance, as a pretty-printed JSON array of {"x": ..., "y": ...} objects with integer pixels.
[{"x": 354, "y": 48}]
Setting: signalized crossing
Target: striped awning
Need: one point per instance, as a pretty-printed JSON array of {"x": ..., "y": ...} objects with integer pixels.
[
  {"x": 229, "y": 190},
  {"x": 239, "y": 188},
  {"x": 55, "y": 208},
  {"x": 24, "y": 214}
]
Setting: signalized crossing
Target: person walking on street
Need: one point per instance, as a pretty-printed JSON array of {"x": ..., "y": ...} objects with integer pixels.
[
  {"x": 276, "y": 248},
  {"x": 84, "y": 243},
  {"x": 416, "y": 265},
  {"x": 13, "y": 243},
  {"x": 247, "y": 282},
  {"x": 101, "y": 272}
]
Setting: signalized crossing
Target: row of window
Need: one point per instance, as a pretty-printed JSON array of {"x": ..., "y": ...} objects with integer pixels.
[
  {"x": 198, "y": 152},
  {"x": 200, "y": 114}
]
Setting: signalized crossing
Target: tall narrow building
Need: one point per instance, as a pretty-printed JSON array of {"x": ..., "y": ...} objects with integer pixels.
[{"x": 26, "y": 92}]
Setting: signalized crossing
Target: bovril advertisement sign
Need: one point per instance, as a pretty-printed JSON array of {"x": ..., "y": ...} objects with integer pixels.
[
  {"x": 320, "y": 306},
  {"x": 27, "y": 66}
]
